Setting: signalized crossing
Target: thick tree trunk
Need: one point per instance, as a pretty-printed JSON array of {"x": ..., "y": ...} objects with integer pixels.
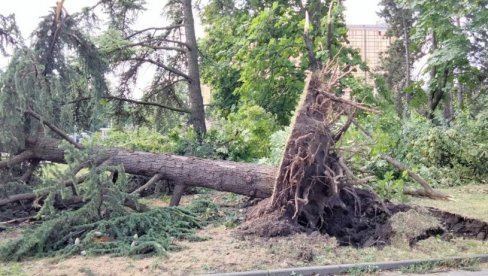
[
  {"x": 197, "y": 115},
  {"x": 240, "y": 178}
]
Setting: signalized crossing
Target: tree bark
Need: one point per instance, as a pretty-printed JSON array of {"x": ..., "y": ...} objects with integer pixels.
[
  {"x": 197, "y": 115},
  {"x": 177, "y": 194},
  {"x": 406, "y": 44},
  {"x": 240, "y": 178}
]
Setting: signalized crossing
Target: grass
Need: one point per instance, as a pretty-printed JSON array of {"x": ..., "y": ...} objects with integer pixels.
[
  {"x": 226, "y": 252},
  {"x": 428, "y": 266},
  {"x": 11, "y": 269},
  {"x": 421, "y": 268},
  {"x": 362, "y": 270},
  {"x": 469, "y": 201}
]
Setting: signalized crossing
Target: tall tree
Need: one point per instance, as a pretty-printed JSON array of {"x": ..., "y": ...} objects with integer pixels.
[
  {"x": 399, "y": 59},
  {"x": 196, "y": 99},
  {"x": 444, "y": 32},
  {"x": 264, "y": 49},
  {"x": 171, "y": 50}
]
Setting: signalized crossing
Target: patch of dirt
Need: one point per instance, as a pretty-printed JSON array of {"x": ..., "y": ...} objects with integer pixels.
[
  {"x": 226, "y": 252},
  {"x": 362, "y": 221},
  {"x": 462, "y": 226},
  {"x": 223, "y": 252}
]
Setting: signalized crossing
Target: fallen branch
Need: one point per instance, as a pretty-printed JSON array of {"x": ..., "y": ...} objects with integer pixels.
[
  {"x": 17, "y": 220},
  {"x": 428, "y": 191},
  {"x": 151, "y": 182},
  {"x": 17, "y": 197},
  {"x": 54, "y": 128},
  {"x": 19, "y": 158}
]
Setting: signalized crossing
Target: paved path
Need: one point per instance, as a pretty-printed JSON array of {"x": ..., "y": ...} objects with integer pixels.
[{"x": 448, "y": 273}]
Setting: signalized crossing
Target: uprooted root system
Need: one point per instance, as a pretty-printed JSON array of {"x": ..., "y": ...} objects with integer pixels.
[{"x": 314, "y": 189}]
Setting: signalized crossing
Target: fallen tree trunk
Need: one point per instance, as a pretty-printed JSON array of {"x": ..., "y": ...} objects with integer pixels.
[{"x": 240, "y": 178}]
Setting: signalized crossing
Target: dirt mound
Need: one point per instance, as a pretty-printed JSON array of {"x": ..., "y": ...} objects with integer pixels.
[
  {"x": 361, "y": 221},
  {"x": 268, "y": 224},
  {"x": 461, "y": 226},
  {"x": 365, "y": 220},
  {"x": 315, "y": 188}
]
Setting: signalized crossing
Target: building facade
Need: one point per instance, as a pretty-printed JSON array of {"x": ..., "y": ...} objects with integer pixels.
[{"x": 371, "y": 41}]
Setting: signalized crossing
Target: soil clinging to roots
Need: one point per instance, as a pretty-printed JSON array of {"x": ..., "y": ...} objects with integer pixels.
[{"x": 314, "y": 189}]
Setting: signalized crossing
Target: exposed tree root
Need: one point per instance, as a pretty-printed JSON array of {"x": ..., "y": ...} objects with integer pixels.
[{"x": 314, "y": 188}]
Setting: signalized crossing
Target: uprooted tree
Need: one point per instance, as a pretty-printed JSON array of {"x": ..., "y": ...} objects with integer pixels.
[{"x": 313, "y": 188}]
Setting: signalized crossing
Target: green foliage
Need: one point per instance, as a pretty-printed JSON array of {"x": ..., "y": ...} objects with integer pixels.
[
  {"x": 112, "y": 44},
  {"x": 362, "y": 270},
  {"x": 142, "y": 139},
  {"x": 102, "y": 224},
  {"x": 420, "y": 268},
  {"x": 389, "y": 186},
  {"x": 43, "y": 78},
  {"x": 9, "y": 34},
  {"x": 278, "y": 143},
  {"x": 452, "y": 155},
  {"x": 446, "y": 154},
  {"x": 13, "y": 269},
  {"x": 205, "y": 210},
  {"x": 211, "y": 213},
  {"x": 256, "y": 52},
  {"x": 243, "y": 136}
]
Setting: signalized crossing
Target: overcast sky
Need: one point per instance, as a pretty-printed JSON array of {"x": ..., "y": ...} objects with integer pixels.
[{"x": 28, "y": 12}]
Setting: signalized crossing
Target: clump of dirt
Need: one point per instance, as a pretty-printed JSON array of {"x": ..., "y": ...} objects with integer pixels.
[
  {"x": 267, "y": 224},
  {"x": 413, "y": 226},
  {"x": 461, "y": 226},
  {"x": 363, "y": 219}
]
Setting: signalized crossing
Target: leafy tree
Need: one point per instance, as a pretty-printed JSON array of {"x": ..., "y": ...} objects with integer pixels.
[
  {"x": 398, "y": 61},
  {"x": 444, "y": 31},
  {"x": 41, "y": 80},
  {"x": 265, "y": 48}
]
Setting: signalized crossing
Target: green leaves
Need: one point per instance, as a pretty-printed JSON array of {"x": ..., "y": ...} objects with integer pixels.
[{"x": 257, "y": 55}]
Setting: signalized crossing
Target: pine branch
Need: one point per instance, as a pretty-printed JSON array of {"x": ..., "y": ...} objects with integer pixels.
[
  {"x": 134, "y": 102},
  {"x": 154, "y": 29},
  {"x": 165, "y": 67},
  {"x": 54, "y": 128},
  {"x": 23, "y": 156},
  {"x": 154, "y": 47}
]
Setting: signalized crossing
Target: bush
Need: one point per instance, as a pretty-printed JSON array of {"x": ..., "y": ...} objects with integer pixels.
[
  {"x": 243, "y": 136},
  {"x": 451, "y": 154}
]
